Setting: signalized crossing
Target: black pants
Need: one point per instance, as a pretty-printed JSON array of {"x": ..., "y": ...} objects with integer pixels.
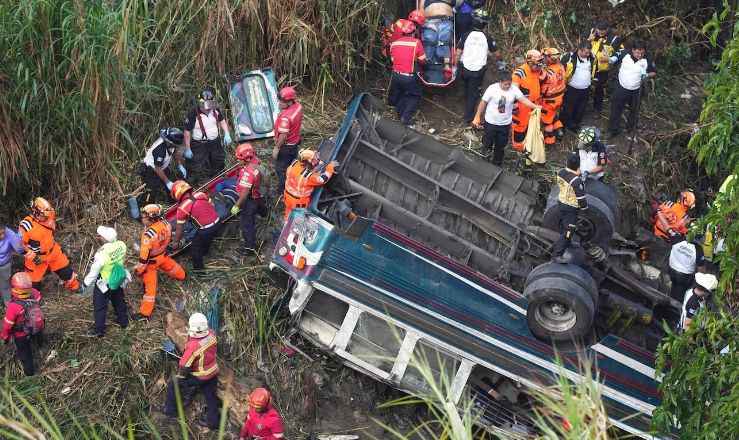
[
  {"x": 496, "y": 136},
  {"x": 567, "y": 228},
  {"x": 155, "y": 190},
  {"x": 189, "y": 387},
  {"x": 680, "y": 283},
  {"x": 201, "y": 244},
  {"x": 472, "y": 91},
  {"x": 24, "y": 351},
  {"x": 620, "y": 99},
  {"x": 573, "y": 108},
  {"x": 248, "y": 220},
  {"x": 404, "y": 95},
  {"x": 286, "y": 156},
  {"x": 208, "y": 159},
  {"x": 100, "y": 307},
  {"x": 600, "y": 84}
]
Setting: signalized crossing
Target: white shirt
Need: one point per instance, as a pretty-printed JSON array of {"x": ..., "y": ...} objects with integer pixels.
[
  {"x": 581, "y": 76},
  {"x": 682, "y": 257},
  {"x": 475, "y": 51},
  {"x": 630, "y": 74},
  {"x": 493, "y": 96},
  {"x": 210, "y": 123},
  {"x": 589, "y": 161},
  {"x": 163, "y": 155}
]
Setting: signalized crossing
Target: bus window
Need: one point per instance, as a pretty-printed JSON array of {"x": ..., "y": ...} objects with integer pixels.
[
  {"x": 376, "y": 342},
  {"x": 441, "y": 366}
]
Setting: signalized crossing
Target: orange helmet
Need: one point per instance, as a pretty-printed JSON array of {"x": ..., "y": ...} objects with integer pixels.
[
  {"x": 551, "y": 52},
  {"x": 245, "y": 152},
  {"x": 687, "y": 198},
  {"x": 153, "y": 210},
  {"x": 288, "y": 94},
  {"x": 405, "y": 27},
  {"x": 41, "y": 208},
  {"x": 179, "y": 188},
  {"x": 534, "y": 55},
  {"x": 20, "y": 284},
  {"x": 307, "y": 155},
  {"x": 259, "y": 399},
  {"x": 417, "y": 17}
]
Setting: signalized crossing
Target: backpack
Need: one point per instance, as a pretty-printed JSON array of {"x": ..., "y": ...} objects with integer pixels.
[
  {"x": 33, "y": 316},
  {"x": 117, "y": 276}
]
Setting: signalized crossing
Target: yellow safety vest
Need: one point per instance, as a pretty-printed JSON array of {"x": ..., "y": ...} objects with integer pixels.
[{"x": 115, "y": 253}]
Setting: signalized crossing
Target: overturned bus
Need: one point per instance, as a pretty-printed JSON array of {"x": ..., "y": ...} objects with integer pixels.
[{"x": 415, "y": 250}]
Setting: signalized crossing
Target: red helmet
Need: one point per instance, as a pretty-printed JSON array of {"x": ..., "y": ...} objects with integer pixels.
[
  {"x": 288, "y": 94},
  {"x": 179, "y": 188},
  {"x": 259, "y": 399},
  {"x": 405, "y": 27},
  {"x": 416, "y": 16},
  {"x": 245, "y": 152}
]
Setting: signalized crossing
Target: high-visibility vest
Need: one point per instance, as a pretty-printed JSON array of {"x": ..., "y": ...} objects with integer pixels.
[
  {"x": 154, "y": 240},
  {"x": 528, "y": 82},
  {"x": 554, "y": 82},
  {"x": 115, "y": 253}
]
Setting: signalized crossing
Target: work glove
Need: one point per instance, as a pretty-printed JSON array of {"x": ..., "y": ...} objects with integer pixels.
[
  {"x": 227, "y": 139},
  {"x": 235, "y": 210},
  {"x": 168, "y": 185},
  {"x": 182, "y": 170},
  {"x": 187, "y": 154}
]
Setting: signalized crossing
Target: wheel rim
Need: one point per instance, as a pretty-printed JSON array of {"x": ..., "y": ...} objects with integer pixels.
[
  {"x": 555, "y": 316},
  {"x": 585, "y": 228}
]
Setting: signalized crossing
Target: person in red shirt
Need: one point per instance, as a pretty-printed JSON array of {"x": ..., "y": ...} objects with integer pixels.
[
  {"x": 14, "y": 325},
  {"x": 405, "y": 91},
  {"x": 198, "y": 371},
  {"x": 263, "y": 422},
  {"x": 250, "y": 202},
  {"x": 393, "y": 32},
  {"x": 195, "y": 206},
  {"x": 287, "y": 134}
]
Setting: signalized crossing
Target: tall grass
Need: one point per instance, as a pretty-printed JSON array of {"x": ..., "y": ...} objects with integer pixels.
[{"x": 84, "y": 85}]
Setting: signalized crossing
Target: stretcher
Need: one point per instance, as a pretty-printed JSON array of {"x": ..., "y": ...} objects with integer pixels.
[{"x": 439, "y": 39}]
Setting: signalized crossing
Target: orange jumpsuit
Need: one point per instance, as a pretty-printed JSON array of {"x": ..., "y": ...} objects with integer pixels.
[
  {"x": 671, "y": 215},
  {"x": 300, "y": 182},
  {"x": 552, "y": 91},
  {"x": 153, "y": 256},
  {"x": 529, "y": 82},
  {"x": 43, "y": 253}
]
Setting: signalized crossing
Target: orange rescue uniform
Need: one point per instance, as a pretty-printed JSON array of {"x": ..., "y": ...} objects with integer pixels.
[
  {"x": 300, "y": 183},
  {"x": 152, "y": 258},
  {"x": 43, "y": 253},
  {"x": 528, "y": 81},
  {"x": 671, "y": 215},
  {"x": 552, "y": 91}
]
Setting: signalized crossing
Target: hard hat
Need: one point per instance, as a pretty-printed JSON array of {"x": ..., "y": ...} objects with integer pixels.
[
  {"x": 417, "y": 17},
  {"x": 179, "y": 188},
  {"x": 207, "y": 99},
  {"x": 20, "y": 285},
  {"x": 308, "y": 155},
  {"x": 288, "y": 94},
  {"x": 534, "y": 55},
  {"x": 40, "y": 207},
  {"x": 109, "y": 234},
  {"x": 172, "y": 136},
  {"x": 707, "y": 281},
  {"x": 153, "y": 210},
  {"x": 405, "y": 27},
  {"x": 197, "y": 326},
  {"x": 586, "y": 136},
  {"x": 687, "y": 198},
  {"x": 481, "y": 16},
  {"x": 259, "y": 399},
  {"x": 552, "y": 51},
  {"x": 245, "y": 152}
]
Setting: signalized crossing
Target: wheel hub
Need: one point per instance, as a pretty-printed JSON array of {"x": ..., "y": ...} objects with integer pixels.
[{"x": 556, "y": 316}]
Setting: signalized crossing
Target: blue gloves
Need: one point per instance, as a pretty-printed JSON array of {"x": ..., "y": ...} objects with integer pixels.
[
  {"x": 169, "y": 185},
  {"x": 183, "y": 171},
  {"x": 188, "y": 153},
  {"x": 227, "y": 138}
]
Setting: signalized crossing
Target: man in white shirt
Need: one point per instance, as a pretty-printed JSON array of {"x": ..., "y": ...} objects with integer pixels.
[
  {"x": 202, "y": 137},
  {"x": 579, "y": 75},
  {"x": 497, "y": 106},
  {"x": 685, "y": 259},
  {"x": 695, "y": 298},
  {"x": 472, "y": 53},
  {"x": 635, "y": 69}
]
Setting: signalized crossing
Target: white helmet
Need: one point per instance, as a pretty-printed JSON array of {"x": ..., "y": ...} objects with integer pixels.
[
  {"x": 707, "y": 281},
  {"x": 197, "y": 326}
]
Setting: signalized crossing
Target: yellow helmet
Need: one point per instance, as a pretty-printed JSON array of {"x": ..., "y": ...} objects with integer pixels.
[
  {"x": 552, "y": 52},
  {"x": 534, "y": 56},
  {"x": 40, "y": 207},
  {"x": 153, "y": 210}
]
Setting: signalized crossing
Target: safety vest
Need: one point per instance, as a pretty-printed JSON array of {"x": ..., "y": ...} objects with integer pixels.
[
  {"x": 554, "y": 82},
  {"x": 571, "y": 190},
  {"x": 300, "y": 181},
  {"x": 154, "y": 240},
  {"x": 600, "y": 47},
  {"x": 528, "y": 82},
  {"x": 200, "y": 356},
  {"x": 676, "y": 216},
  {"x": 682, "y": 257},
  {"x": 249, "y": 179},
  {"x": 475, "y": 51},
  {"x": 36, "y": 236},
  {"x": 115, "y": 253}
]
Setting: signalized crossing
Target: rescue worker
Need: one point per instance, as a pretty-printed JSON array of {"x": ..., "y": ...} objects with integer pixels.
[
  {"x": 685, "y": 259},
  {"x": 262, "y": 422},
  {"x": 572, "y": 201},
  {"x": 303, "y": 176},
  {"x": 10, "y": 243},
  {"x": 606, "y": 49},
  {"x": 635, "y": 69},
  {"x": 394, "y": 32},
  {"x": 472, "y": 53},
  {"x": 695, "y": 298},
  {"x": 527, "y": 78},
  {"x": 153, "y": 257},
  {"x": 672, "y": 218},
  {"x": 250, "y": 202},
  {"x": 14, "y": 325},
  {"x": 195, "y": 206},
  {"x": 287, "y": 134},
  {"x": 105, "y": 274},
  {"x": 154, "y": 168},
  {"x": 552, "y": 94},
  {"x": 42, "y": 251},
  {"x": 579, "y": 76},
  {"x": 405, "y": 91},
  {"x": 593, "y": 154},
  {"x": 198, "y": 372},
  {"x": 202, "y": 136}
]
